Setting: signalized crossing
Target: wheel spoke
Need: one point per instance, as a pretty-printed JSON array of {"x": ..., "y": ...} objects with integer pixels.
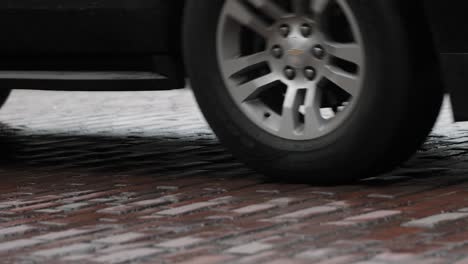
[
  {"x": 318, "y": 6},
  {"x": 313, "y": 119},
  {"x": 351, "y": 52},
  {"x": 269, "y": 8},
  {"x": 290, "y": 116},
  {"x": 240, "y": 13},
  {"x": 346, "y": 81},
  {"x": 251, "y": 89},
  {"x": 236, "y": 65}
]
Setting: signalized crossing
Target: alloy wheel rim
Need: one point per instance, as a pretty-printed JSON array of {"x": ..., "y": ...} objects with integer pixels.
[{"x": 294, "y": 67}]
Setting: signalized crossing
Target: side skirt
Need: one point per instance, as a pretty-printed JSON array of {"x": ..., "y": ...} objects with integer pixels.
[{"x": 108, "y": 73}]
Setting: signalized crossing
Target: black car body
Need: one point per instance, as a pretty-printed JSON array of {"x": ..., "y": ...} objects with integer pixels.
[{"x": 92, "y": 36}]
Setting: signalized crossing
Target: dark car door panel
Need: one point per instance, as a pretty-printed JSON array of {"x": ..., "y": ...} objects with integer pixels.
[{"x": 85, "y": 26}]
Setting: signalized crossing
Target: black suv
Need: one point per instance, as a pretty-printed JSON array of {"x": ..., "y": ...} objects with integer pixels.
[{"x": 326, "y": 89}]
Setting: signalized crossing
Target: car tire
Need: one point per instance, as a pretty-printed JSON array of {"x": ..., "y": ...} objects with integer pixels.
[{"x": 397, "y": 105}]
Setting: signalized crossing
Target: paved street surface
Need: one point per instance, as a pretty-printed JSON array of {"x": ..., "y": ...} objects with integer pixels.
[{"x": 140, "y": 178}]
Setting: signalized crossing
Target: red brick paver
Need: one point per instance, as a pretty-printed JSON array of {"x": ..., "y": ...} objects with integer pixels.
[{"x": 140, "y": 178}]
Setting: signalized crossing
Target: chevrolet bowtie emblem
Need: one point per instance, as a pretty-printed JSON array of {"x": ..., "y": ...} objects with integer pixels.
[{"x": 295, "y": 52}]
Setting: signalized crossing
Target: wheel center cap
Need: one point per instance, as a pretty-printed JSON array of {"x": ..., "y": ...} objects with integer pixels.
[
  {"x": 298, "y": 52},
  {"x": 296, "y": 57},
  {"x": 295, "y": 52}
]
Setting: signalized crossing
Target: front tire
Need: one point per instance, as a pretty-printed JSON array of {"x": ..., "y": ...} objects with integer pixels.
[{"x": 361, "y": 124}]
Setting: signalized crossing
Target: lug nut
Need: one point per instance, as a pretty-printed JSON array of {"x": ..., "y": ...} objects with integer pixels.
[
  {"x": 319, "y": 52},
  {"x": 310, "y": 73},
  {"x": 290, "y": 73},
  {"x": 284, "y": 30},
  {"x": 277, "y": 51},
  {"x": 306, "y": 30}
]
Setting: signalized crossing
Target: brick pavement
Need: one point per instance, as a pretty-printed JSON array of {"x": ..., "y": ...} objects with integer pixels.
[{"x": 139, "y": 178}]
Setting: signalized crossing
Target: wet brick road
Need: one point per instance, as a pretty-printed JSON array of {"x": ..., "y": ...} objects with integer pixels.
[{"x": 139, "y": 177}]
